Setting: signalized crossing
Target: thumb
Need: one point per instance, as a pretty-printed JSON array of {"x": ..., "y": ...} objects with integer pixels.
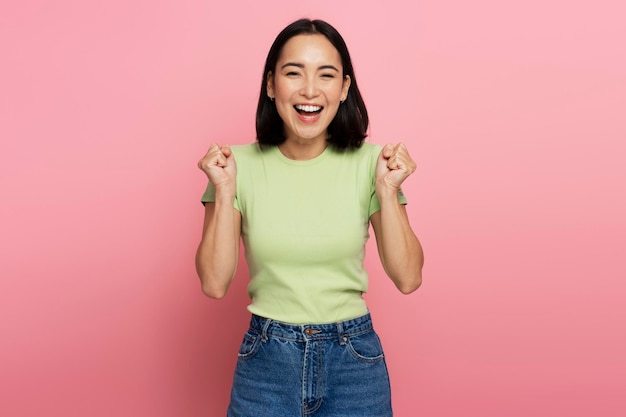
[
  {"x": 381, "y": 163},
  {"x": 226, "y": 150},
  {"x": 387, "y": 150}
]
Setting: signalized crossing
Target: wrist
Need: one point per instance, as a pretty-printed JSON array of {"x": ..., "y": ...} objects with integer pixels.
[
  {"x": 224, "y": 194},
  {"x": 385, "y": 190}
]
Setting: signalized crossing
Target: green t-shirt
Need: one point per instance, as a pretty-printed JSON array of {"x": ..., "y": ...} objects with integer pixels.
[{"x": 304, "y": 228}]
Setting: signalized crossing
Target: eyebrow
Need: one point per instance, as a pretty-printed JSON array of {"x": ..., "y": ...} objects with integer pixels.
[{"x": 299, "y": 65}]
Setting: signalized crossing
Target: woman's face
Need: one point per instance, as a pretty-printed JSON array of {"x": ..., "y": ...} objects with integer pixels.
[{"x": 308, "y": 86}]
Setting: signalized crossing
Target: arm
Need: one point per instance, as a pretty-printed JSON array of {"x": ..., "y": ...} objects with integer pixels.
[
  {"x": 399, "y": 249},
  {"x": 218, "y": 252}
]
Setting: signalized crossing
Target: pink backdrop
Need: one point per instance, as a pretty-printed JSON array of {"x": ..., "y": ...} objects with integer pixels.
[{"x": 515, "y": 112}]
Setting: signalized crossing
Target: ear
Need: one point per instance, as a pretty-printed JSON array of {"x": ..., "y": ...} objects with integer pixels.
[
  {"x": 346, "y": 87},
  {"x": 270, "y": 85}
]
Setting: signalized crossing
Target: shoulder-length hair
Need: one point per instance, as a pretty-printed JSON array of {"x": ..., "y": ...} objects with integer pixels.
[{"x": 349, "y": 127}]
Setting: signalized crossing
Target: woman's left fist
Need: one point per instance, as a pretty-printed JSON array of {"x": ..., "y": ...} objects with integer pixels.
[{"x": 394, "y": 165}]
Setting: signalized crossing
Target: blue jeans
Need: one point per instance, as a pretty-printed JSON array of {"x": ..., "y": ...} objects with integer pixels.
[{"x": 317, "y": 370}]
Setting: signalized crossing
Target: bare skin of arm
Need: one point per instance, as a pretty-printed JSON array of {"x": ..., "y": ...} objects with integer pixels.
[
  {"x": 399, "y": 249},
  {"x": 218, "y": 251}
]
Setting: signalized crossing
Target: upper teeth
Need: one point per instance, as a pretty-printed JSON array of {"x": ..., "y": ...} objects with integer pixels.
[{"x": 308, "y": 108}]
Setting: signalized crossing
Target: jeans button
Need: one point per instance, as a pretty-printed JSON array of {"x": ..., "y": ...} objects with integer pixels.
[{"x": 310, "y": 332}]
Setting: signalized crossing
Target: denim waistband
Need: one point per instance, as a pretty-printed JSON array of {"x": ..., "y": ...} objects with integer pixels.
[{"x": 303, "y": 332}]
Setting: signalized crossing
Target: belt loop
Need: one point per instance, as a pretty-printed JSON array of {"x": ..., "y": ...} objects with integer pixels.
[
  {"x": 342, "y": 338},
  {"x": 266, "y": 325}
]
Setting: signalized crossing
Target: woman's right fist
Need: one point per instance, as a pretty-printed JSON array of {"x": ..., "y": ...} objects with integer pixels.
[{"x": 219, "y": 166}]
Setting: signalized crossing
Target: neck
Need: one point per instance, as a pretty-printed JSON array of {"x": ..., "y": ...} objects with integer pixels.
[{"x": 302, "y": 150}]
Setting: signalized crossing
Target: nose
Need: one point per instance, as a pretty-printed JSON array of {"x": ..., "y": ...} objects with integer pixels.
[{"x": 309, "y": 88}]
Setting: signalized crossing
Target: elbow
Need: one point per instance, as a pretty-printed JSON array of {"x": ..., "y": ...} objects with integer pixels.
[
  {"x": 410, "y": 285},
  {"x": 212, "y": 287},
  {"x": 214, "y": 283},
  {"x": 214, "y": 292}
]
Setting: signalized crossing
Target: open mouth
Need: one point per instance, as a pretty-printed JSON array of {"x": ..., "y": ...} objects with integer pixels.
[{"x": 308, "y": 110}]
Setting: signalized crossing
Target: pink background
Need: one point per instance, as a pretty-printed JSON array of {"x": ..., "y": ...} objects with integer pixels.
[{"x": 515, "y": 111}]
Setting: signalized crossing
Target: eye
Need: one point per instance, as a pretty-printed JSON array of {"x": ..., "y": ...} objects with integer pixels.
[
  {"x": 328, "y": 76},
  {"x": 292, "y": 74}
]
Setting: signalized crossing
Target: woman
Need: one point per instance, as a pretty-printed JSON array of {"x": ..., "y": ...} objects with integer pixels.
[{"x": 302, "y": 200}]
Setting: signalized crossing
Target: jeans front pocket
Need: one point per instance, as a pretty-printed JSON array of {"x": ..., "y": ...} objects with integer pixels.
[
  {"x": 249, "y": 346},
  {"x": 366, "y": 347}
]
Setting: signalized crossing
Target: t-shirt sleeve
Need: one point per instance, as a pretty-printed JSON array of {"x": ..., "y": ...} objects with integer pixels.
[
  {"x": 209, "y": 194},
  {"x": 374, "y": 202}
]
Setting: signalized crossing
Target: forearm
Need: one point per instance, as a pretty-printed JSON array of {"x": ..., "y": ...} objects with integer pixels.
[
  {"x": 217, "y": 254},
  {"x": 399, "y": 249}
]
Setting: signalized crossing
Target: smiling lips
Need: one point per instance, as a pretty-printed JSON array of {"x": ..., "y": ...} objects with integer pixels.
[{"x": 308, "y": 113}]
